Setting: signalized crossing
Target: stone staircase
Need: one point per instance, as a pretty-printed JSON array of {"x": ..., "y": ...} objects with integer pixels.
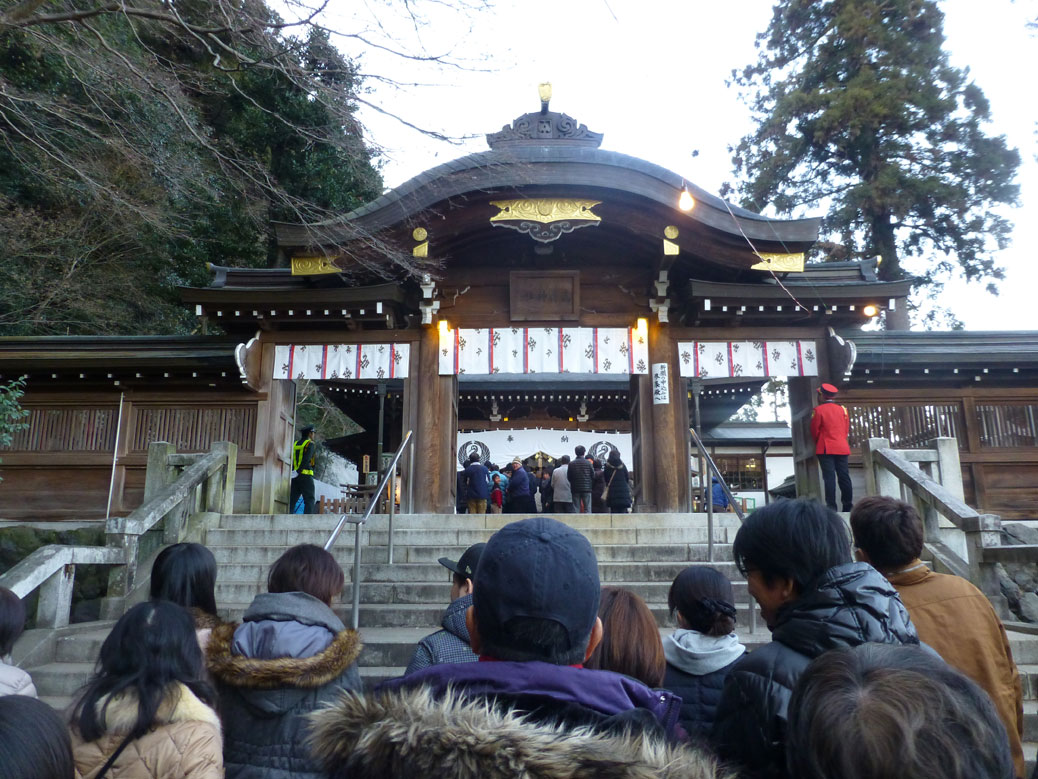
[{"x": 401, "y": 603}]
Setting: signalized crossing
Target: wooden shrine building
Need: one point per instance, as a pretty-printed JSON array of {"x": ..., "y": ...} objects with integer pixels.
[{"x": 557, "y": 285}]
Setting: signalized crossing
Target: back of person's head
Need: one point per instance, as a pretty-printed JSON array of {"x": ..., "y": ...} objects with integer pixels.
[
  {"x": 796, "y": 539},
  {"x": 307, "y": 568},
  {"x": 150, "y": 648},
  {"x": 538, "y": 593},
  {"x": 888, "y": 530},
  {"x": 614, "y": 458},
  {"x": 631, "y": 642},
  {"x": 185, "y": 574},
  {"x": 474, "y": 457},
  {"x": 34, "y": 742},
  {"x": 12, "y": 620},
  {"x": 579, "y": 451},
  {"x": 704, "y": 598},
  {"x": 881, "y": 710},
  {"x": 564, "y": 460}
]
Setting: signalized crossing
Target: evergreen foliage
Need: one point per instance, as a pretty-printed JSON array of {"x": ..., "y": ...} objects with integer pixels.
[
  {"x": 859, "y": 112},
  {"x": 135, "y": 147},
  {"x": 12, "y": 415}
]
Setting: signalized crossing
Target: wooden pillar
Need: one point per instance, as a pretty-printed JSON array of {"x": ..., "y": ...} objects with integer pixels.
[
  {"x": 669, "y": 458},
  {"x": 808, "y": 477},
  {"x": 437, "y": 430}
]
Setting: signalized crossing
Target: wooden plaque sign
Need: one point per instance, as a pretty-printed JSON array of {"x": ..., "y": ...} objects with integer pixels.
[{"x": 544, "y": 295}]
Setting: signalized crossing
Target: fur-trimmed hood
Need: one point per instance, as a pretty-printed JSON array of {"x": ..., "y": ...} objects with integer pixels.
[
  {"x": 118, "y": 713},
  {"x": 262, "y": 674},
  {"x": 184, "y": 740},
  {"x": 412, "y": 732}
]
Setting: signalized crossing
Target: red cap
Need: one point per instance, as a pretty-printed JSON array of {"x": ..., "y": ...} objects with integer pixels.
[{"x": 828, "y": 388}]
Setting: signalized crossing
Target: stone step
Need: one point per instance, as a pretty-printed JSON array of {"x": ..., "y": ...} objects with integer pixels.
[
  {"x": 652, "y": 592},
  {"x": 457, "y": 537},
  {"x": 434, "y": 573},
  {"x": 81, "y": 647},
  {"x": 61, "y": 680},
  {"x": 266, "y": 555},
  {"x": 428, "y": 615},
  {"x": 325, "y": 523},
  {"x": 1024, "y": 647}
]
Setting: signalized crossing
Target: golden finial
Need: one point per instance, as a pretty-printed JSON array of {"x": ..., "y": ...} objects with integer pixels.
[{"x": 544, "y": 92}]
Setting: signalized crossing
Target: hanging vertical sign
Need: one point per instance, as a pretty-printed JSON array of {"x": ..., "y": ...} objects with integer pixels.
[{"x": 660, "y": 384}]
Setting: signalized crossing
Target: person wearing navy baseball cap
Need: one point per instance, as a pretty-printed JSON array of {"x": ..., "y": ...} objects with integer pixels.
[
  {"x": 533, "y": 622},
  {"x": 830, "y": 427},
  {"x": 529, "y": 707}
]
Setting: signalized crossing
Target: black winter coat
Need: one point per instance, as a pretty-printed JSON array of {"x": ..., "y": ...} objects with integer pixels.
[
  {"x": 264, "y": 703},
  {"x": 700, "y": 696},
  {"x": 581, "y": 475},
  {"x": 619, "y": 495},
  {"x": 851, "y": 604}
]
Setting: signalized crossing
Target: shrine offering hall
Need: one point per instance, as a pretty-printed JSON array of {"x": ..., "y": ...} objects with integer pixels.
[{"x": 517, "y": 302}]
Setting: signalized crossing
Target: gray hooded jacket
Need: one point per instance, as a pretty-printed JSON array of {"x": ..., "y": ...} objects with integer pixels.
[{"x": 290, "y": 656}]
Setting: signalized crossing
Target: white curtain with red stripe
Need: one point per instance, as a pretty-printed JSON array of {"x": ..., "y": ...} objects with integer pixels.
[
  {"x": 341, "y": 361},
  {"x": 486, "y": 350},
  {"x": 749, "y": 359}
]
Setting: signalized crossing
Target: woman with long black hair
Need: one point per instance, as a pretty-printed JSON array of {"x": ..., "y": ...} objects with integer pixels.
[
  {"x": 185, "y": 574},
  {"x": 148, "y": 712}
]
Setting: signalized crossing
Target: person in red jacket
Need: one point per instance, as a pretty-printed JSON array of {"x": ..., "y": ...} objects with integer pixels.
[{"x": 830, "y": 427}]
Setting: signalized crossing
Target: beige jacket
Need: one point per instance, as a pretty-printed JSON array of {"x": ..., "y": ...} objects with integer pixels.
[
  {"x": 185, "y": 743},
  {"x": 15, "y": 681},
  {"x": 954, "y": 617}
]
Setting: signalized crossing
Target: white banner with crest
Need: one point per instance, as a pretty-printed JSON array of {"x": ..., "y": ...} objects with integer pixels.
[
  {"x": 747, "y": 359},
  {"x": 620, "y": 350},
  {"x": 502, "y": 446},
  {"x": 341, "y": 361}
]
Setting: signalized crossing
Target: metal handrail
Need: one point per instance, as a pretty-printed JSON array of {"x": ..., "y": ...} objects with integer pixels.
[
  {"x": 712, "y": 467},
  {"x": 388, "y": 476}
]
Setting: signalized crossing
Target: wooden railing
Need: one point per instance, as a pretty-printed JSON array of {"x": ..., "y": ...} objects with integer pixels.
[
  {"x": 931, "y": 479},
  {"x": 177, "y": 487}
]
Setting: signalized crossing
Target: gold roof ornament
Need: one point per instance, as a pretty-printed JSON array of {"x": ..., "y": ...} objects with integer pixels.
[
  {"x": 313, "y": 265},
  {"x": 544, "y": 93},
  {"x": 545, "y": 219},
  {"x": 780, "y": 263}
]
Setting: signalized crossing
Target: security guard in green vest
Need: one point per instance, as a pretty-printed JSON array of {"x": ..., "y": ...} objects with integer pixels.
[{"x": 304, "y": 453}]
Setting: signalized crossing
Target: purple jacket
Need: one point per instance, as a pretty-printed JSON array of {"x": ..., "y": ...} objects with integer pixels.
[{"x": 578, "y": 696}]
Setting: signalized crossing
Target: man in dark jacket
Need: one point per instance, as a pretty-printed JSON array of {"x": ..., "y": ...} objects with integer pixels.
[
  {"x": 477, "y": 485},
  {"x": 451, "y": 645},
  {"x": 581, "y": 479},
  {"x": 520, "y": 494},
  {"x": 796, "y": 557},
  {"x": 535, "y": 614}
]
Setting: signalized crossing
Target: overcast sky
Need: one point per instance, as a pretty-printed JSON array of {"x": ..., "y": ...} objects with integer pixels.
[{"x": 650, "y": 75}]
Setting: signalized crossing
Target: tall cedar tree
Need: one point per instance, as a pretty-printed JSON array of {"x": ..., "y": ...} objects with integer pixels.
[{"x": 859, "y": 110}]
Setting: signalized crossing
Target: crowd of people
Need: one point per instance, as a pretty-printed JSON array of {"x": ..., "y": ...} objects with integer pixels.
[
  {"x": 876, "y": 667},
  {"x": 582, "y": 484}
]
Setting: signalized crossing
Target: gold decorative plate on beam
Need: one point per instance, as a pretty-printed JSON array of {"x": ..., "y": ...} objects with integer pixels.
[
  {"x": 780, "y": 263},
  {"x": 313, "y": 266},
  {"x": 545, "y": 219}
]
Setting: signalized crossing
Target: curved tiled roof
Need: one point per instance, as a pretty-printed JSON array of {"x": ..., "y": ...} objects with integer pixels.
[{"x": 554, "y": 164}]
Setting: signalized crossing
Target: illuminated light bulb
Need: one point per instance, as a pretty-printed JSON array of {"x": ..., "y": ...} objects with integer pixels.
[
  {"x": 870, "y": 310},
  {"x": 685, "y": 201}
]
